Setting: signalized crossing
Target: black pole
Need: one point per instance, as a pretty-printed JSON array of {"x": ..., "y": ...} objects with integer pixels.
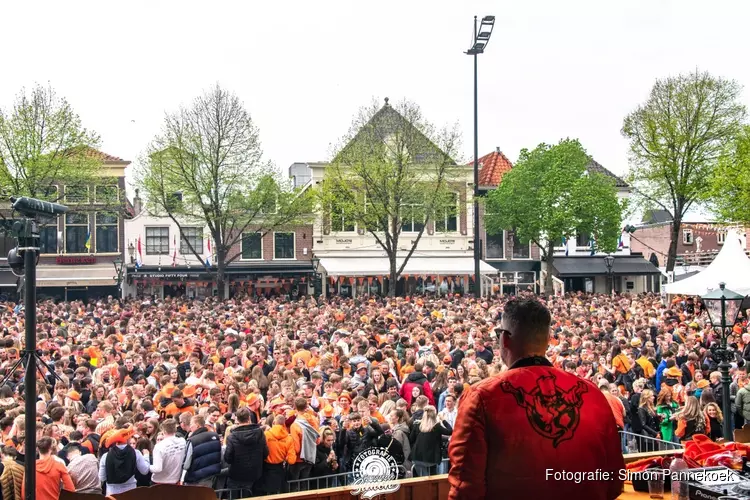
[
  {"x": 477, "y": 239},
  {"x": 726, "y": 380},
  {"x": 29, "y": 258}
]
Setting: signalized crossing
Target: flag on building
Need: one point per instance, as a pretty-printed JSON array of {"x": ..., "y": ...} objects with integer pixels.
[
  {"x": 592, "y": 246},
  {"x": 565, "y": 244},
  {"x": 208, "y": 257},
  {"x": 139, "y": 256},
  {"x": 620, "y": 244},
  {"x": 88, "y": 241}
]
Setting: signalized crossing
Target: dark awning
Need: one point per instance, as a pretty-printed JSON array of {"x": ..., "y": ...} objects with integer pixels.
[
  {"x": 624, "y": 265},
  {"x": 516, "y": 265},
  {"x": 271, "y": 267}
]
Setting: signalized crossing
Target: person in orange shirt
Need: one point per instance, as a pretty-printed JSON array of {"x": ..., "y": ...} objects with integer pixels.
[
  {"x": 302, "y": 353},
  {"x": 51, "y": 473},
  {"x": 179, "y": 404},
  {"x": 280, "y": 452}
]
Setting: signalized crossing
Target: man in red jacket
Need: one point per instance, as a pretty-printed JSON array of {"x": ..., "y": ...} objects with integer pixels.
[{"x": 533, "y": 431}]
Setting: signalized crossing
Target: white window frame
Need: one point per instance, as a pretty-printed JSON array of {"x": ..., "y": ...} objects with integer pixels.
[
  {"x": 96, "y": 190},
  {"x": 56, "y": 191},
  {"x": 294, "y": 244},
  {"x": 721, "y": 236},
  {"x": 505, "y": 250},
  {"x": 685, "y": 233},
  {"x": 261, "y": 246},
  {"x": 513, "y": 257},
  {"x": 84, "y": 202},
  {"x": 340, "y": 228},
  {"x": 145, "y": 232},
  {"x": 65, "y": 234},
  {"x": 96, "y": 226},
  {"x": 457, "y": 215},
  {"x": 411, "y": 231},
  {"x": 203, "y": 240}
]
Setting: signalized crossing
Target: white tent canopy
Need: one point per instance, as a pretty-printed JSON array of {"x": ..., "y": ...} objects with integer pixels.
[{"x": 730, "y": 266}]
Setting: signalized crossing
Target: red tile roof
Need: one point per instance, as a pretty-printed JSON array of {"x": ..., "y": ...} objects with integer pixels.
[
  {"x": 492, "y": 166},
  {"x": 104, "y": 156}
]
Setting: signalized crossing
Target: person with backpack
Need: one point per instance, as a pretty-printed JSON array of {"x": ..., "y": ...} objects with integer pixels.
[{"x": 118, "y": 465}]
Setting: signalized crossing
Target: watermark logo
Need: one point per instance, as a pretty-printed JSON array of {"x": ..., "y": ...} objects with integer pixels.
[{"x": 375, "y": 473}]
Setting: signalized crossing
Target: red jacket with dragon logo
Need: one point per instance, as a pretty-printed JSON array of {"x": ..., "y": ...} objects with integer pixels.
[{"x": 513, "y": 428}]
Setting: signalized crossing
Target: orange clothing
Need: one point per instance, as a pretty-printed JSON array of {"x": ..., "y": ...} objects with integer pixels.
[
  {"x": 50, "y": 472},
  {"x": 304, "y": 355},
  {"x": 648, "y": 369},
  {"x": 618, "y": 410},
  {"x": 171, "y": 410},
  {"x": 377, "y": 416},
  {"x": 280, "y": 446},
  {"x": 621, "y": 363},
  {"x": 313, "y": 420}
]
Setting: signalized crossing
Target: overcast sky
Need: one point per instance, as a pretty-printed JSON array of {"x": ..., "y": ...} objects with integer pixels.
[{"x": 552, "y": 69}]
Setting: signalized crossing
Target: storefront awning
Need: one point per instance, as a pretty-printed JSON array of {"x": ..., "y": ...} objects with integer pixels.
[
  {"x": 624, "y": 265},
  {"x": 67, "y": 276},
  {"x": 379, "y": 266}
]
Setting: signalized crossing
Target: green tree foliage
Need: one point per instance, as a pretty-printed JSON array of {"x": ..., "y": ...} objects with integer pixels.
[
  {"x": 394, "y": 175},
  {"x": 550, "y": 194},
  {"x": 730, "y": 183},
  {"x": 676, "y": 139},
  {"x": 206, "y": 169}
]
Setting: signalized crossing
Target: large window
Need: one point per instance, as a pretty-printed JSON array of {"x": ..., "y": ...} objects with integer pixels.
[
  {"x": 157, "y": 241},
  {"x": 252, "y": 246},
  {"x": 583, "y": 239},
  {"x": 521, "y": 250},
  {"x": 194, "y": 236},
  {"x": 495, "y": 246},
  {"x": 687, "y": 236},
  {"x": 412, "y": 217},
  {"x": 76, "y": 233},
  {"x": 339, "y": 221},
  {"x": 447, "y": 219},
  {"x": 48, "y": 237},
  {"x": 76, "y": 194},
  {"x": 283, "y": 245},
  {"x": 106, "y": 232},
  {"x": 107, "y": 194}
]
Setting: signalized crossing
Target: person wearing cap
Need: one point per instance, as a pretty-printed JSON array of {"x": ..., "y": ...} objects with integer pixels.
[
  {"x": 673, "y": 381},
  {"x": 360, "y": 379},
  {"x": 253, "y": 404},
  {"x": 498, "y": 438}
]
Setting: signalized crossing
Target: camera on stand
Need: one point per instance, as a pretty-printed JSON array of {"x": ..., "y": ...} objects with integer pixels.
[{"x": 26, "y": 230}]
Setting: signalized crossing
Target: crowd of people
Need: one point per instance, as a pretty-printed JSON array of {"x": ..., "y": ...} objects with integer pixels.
[{"x": 255, "y": 395}]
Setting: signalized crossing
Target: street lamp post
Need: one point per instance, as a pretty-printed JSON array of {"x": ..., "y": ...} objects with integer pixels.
[
  {"x": 723, "y": 307},
  {"x": 609, "y": 261},
  {"x": 481, "y": 39},
  {"x": 119, "y": 273}
]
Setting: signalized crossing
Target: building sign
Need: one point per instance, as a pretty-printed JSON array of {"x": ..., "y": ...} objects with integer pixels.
[
  {"x": 171, "y": 276},
  {"x": 343, "y": 241},
  {"x": 75, "y": 259},
  {"x": 447, "y": 242}
]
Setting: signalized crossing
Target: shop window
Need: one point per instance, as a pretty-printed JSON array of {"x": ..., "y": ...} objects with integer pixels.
[
  {"x": 495, "y": 244},
  {"x": 447, "y": 219},
  {"x": 77, "y": 233},
  {"x": 252, "y": 246},
  {"x": 107, "y": 232},
  {"x": 157, "y": 241},
  {"x": 193, "y": 236},
  {"x": 283, "y": 246},
  {"x": 521, "y": 250}
]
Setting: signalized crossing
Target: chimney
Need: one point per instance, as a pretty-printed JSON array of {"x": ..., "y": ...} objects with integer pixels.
[
  {"x": 137, "y": 203},
  {"x": 498, "y": 150}
]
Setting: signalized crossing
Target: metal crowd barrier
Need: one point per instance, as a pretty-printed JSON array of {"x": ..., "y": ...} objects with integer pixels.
[{"x": 638, "y": 443}]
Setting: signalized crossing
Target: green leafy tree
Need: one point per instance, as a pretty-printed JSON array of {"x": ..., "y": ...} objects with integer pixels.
[
  {"x": 393, "y": 175},
  {"x": 205, "y": 168},
  {"x": 550, "y": 194},
  {"x": 730, "y": 183},
  {"x": 676, "y": 139},
  {"x": 43, "y": 144}
]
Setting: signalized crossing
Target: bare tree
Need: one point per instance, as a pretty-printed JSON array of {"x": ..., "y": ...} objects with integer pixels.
[{"x": 206, "y": 168}]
